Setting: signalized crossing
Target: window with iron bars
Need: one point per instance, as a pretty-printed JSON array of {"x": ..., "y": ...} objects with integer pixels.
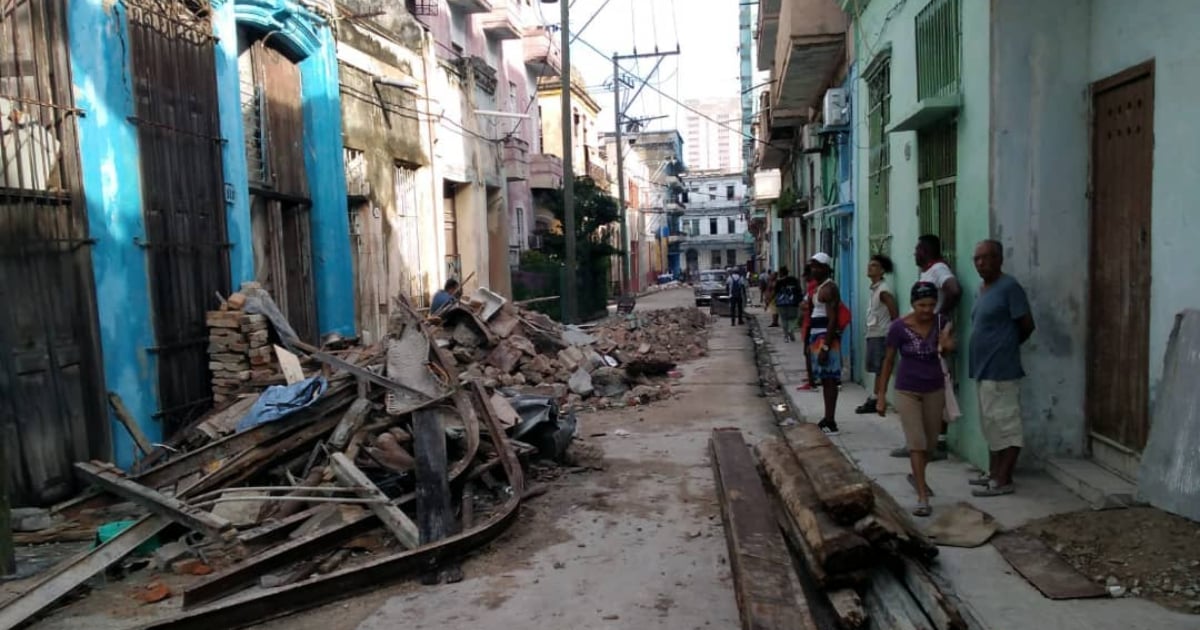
[
  {"x": 879, "y": 163},
  {"x": 939, "y": 48},
  {"x": 422, "y": 7},
  {"x": 937, "y": 178}
]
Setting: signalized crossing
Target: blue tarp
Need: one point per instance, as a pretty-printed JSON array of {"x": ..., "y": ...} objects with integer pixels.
[{"x": 280, "y": 401}]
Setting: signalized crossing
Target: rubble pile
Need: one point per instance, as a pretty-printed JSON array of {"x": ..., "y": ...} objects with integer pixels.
[
  {"x": 239, "y": 350},
  {"x": 615, "y": 363}
]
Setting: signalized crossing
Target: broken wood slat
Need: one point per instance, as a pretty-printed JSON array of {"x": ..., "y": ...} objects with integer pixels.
[
  {"x": 435, "y": 516},
  {"x": 767, "y": 591},
  {"x": 378, "y": 379},
  {"x": 837, "y": 548},
  {"x": 350, "y": 422},
  {"x": 844, "y": 490},
  {"x": 818, "y": 575},
  {"x": 290, "y": 365},
  {"x": 70, "y": 574},
  {"x": 393, "y": 518},
  {"x": 277, "y": 529},
  {"x": 909, "y": 537},
  {"x": 258, "y": 606},
  {"x": 889, "y": 605},
  {"x": 929, "y": 596},
  {"x": 848, "y": 607},
  {"x": 109, "y": 478},
  {"x": 131, "y": 425}
]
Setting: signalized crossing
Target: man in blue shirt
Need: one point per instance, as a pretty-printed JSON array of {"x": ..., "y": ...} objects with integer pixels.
[
  {"x": 1000, "y": 322},
  {"x": 444, "y": 298}
]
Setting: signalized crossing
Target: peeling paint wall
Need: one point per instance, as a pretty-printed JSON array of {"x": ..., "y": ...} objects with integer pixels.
[
  {"x": 1039, "y": 208},
  {"x": 108, "y": 148}
]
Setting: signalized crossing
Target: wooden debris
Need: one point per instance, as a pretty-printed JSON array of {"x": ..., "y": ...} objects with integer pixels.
[
  {"x": 130, "y": 424},
  {"x": 844, "y": 490},
  {"x": 110, "y": 478},
  {"x": 350, "y": 422},
  {"x": 836, "y": 548},
  {"x": 767, "y": 593},
  {"x": 937, "y": 606},
  {"x": 393, "y": 519},
  {"x": 435, "y": 516},
  {"x": 890, "y": 605},
  {"x": 848, "y": 607},
  {"x": 290, "y": 364}
]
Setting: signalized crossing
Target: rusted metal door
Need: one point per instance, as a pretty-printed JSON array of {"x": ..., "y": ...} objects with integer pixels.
[
  {"x": 1118, "y": 397},
  {"x": 52, "y": 408},
  {"x": 179, "y": 137}
]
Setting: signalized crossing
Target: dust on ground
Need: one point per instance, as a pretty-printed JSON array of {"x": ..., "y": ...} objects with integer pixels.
[{"x": 1151, "y": 554}]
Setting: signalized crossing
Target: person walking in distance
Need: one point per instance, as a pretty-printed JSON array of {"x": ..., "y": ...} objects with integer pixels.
[
  {"x": 769, "y": 298},
  {"x": 881, "y": 310},
  {"x": 934, "y": 269},
  {"x": 826, "y": 323},
  {"x": 787, "y": 302},
  {"x": 735, "y": 286},
  {"x": 919, "y": 339},
  {"x": 1001, "y": 321}
]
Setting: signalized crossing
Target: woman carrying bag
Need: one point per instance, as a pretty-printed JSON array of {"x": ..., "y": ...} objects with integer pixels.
[{"x": 920, "y": 339}]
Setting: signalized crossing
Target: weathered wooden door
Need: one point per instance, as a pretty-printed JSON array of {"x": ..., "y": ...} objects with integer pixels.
[
  {"x": 1118, "y": 385},
  {"x": 52, "y": 408},
  {"x": 179, "y": 137},
  {"x": 280, "y": 206}
]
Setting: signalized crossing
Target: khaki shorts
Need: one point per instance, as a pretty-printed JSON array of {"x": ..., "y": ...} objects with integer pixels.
[
  {"x": 921, "y": 417},
  {"x": 1000, "y": 414}
]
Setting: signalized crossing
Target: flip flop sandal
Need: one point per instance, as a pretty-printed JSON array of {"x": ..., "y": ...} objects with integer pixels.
[
  {"x": 912, "y": 481},
  {"x": 993, "y": 491},
  {"x": 982, "y": 480},
  {"x": 922, "y": 509}
]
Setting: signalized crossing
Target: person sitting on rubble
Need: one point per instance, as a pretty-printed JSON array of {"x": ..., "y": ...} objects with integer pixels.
[{"x": 445, "y": 298}]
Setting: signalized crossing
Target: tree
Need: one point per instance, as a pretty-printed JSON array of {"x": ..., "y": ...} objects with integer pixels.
[{"x": 594, "y": 211}]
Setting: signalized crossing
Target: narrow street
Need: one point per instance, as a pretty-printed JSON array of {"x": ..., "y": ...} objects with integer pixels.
[{"x": 637, "y": 545}]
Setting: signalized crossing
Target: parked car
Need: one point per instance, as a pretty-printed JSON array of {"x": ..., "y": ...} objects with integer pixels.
[{"x": 709, "y": 283}]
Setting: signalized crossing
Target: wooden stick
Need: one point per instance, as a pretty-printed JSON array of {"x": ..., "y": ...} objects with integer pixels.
[
  {"x": 435, "y": 516},
  {"x": 395, "y": 520},
  {"x": 350, "y": 422},
  {"x": 110, "y": 479},
  {"x": 945, "y": 615},
  {"x": 848, "y": 607},
  {"x": 131, "y": 425}
]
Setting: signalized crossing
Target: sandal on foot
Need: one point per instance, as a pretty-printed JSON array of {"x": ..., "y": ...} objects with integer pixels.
[
  {"x": 993, "y": 490},
  {"x": 981, "y": 480},
  {"x": 912, "y": 481},
  {"x": 922, "y": 509}
]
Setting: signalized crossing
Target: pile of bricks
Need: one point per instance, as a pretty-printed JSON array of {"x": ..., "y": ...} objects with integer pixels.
[{"x": 239, "y": 352}]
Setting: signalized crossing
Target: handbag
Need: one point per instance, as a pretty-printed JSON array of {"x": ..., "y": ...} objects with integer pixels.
[{"x": 952, "y": 411}]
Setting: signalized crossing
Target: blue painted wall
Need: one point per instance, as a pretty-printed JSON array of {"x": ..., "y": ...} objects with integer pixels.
[
  {"x": 309, "y": 38},
  {"x": 108, "y": 151}
]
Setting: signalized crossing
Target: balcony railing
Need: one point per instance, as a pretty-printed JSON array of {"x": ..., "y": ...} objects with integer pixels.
[{"x": 506, "y": 20}]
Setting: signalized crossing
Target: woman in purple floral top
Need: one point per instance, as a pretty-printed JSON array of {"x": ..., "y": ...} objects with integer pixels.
[{"x": 919, "y": 339}]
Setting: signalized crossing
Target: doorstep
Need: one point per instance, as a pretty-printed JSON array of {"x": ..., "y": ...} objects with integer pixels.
[{"x": 1094, "y": 484}]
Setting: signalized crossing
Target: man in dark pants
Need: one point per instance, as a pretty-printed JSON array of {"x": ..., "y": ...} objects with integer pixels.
[{"x": 736, "y": 288}]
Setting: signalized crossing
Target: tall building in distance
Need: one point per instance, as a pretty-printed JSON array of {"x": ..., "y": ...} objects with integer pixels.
[{"x": 711, "y": 140}]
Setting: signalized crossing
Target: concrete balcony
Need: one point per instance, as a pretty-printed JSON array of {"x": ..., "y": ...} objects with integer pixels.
[
  {"x": 767, "y": 32},
  {"x": 506, "y": 20},
  {"x": 473, "y": 6},
  {"x": 714, "y": 239},
  {"x": 771, "y": 150},
  {"x": 810, "y": 45},
  {"x": 516, "y": 160},
  {"x": 545, "y": 171},
  {"x": 543, "y": 55}
]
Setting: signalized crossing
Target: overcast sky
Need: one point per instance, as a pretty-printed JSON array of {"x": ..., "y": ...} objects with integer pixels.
[{"x": 706, "y": 32}]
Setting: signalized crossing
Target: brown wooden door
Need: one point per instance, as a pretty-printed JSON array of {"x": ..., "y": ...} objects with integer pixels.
[{"x": 1119, "y": 325}]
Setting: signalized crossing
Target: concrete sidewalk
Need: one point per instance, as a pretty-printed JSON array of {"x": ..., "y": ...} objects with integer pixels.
[{"x": 995, "y": 595}]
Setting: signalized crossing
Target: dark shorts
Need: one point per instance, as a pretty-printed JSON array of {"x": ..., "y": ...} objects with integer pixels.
[{"x": 876, "y": 349}]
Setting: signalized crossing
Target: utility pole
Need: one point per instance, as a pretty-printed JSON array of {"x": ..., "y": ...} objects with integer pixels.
[
  {"x": 570, "y": 302},
  {"x": 618, "y": 115}
]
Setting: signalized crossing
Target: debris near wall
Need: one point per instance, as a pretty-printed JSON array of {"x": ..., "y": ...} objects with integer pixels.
[
  {"x": 370, "y": 464},
  {"x": 622, "y": 361},
  {"x": 239, "y": 351}
]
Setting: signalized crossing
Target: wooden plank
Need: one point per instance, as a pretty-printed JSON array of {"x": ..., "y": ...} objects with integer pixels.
[
  {"x": 768, "y": 594},
  {"x": 844, "y": 490},
  {"x": 435, "y": 515},
  {"x": 110, "y": 479},
  {"x": 290, "y": 364},
  {"x": 890, "y": 607},
  {"x": 350, "y": 422},
  {"x": 937, "y": 606},
  {"x": 72, "y": 573},
  {"x": 1044, "y": 568},
  {"x": 395, "y": 520},
  {"x": 836, "y": 548},
  {"x": 131, "y": 425},
  {"x": 848, "y": 607},
  {"x": 909, "y": 537}
]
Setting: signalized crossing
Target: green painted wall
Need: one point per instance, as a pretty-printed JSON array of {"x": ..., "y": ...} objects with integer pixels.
[{"x": 890, "y": 25}]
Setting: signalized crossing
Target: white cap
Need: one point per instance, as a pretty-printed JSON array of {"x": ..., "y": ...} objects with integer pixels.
[{"x": 823, "y": 258}]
